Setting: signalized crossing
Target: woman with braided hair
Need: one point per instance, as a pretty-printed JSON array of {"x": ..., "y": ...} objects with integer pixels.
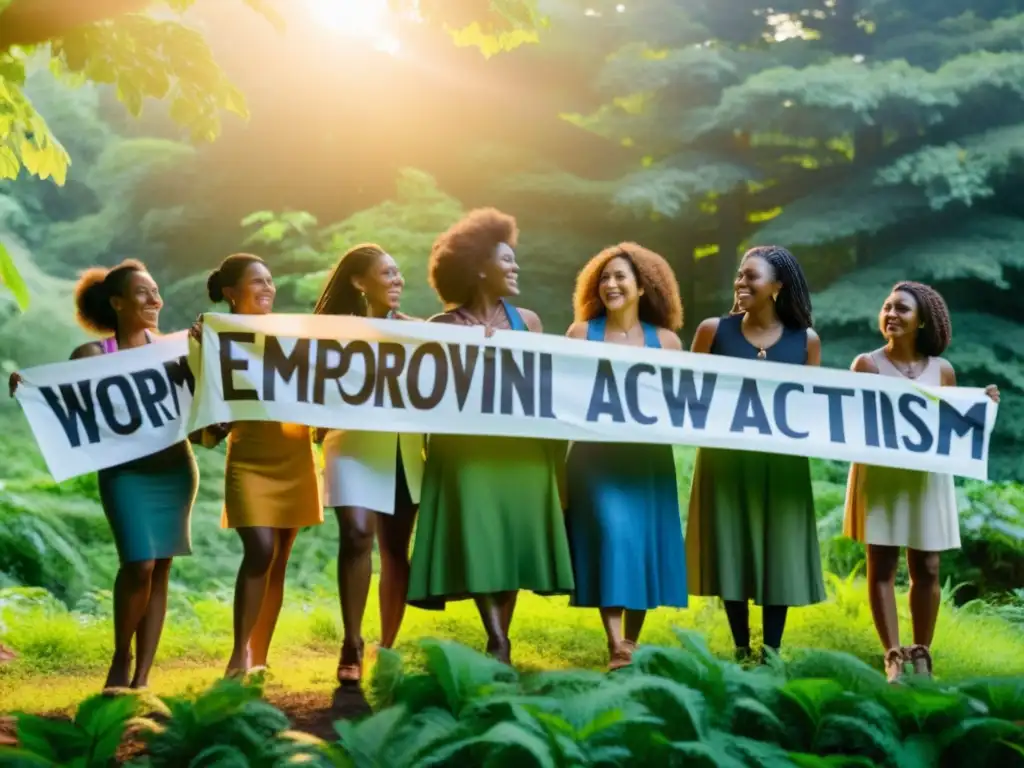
[
  {"x": 751, "y": 532},
  {"x": 889, "y": 508},
  {"x": 371, "y": 479}
]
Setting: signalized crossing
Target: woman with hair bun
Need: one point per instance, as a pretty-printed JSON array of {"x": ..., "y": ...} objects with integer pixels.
[
  {"x": 888, "y": 508},
  {"x": 271, "y": 488},
  {"x": 751, "y": 532},
  {"x": 623, "y": 514},
  {"x": 490, "y": 520},
  {"x": 148, "y": 501},
  {"x": 371, "y": 479}
]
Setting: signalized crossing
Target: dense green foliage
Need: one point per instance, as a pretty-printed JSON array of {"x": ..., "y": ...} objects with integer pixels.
[
  {"x": 878, "y": 140},
  {"x": 672, "y": 706}
]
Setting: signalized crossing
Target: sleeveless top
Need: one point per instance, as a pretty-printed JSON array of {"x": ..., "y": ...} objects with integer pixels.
[
  {"x": 931, "y": 374},
  {"x": 730, "y": 342},
  {"x": 515, "y": 320},
  {"x": 109, "y": 344},
  {"x": 597, "y": 326}
]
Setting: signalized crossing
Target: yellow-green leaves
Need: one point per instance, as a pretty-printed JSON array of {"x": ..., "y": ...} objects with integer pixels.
[
  {"x": 10, "y": 277},
  {"x": 147, "y": 58},
  {"x": 25, "y": 139}
]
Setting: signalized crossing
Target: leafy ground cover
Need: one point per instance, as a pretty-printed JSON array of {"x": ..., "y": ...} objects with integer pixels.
[
  {"x": 63, "y": 653},
  {"x": 678, "y": 704}
]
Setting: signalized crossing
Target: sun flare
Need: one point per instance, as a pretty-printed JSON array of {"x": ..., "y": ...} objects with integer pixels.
[{"x": 365, "y": 19}]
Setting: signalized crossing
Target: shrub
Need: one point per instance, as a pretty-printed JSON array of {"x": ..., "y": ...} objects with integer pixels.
[{"x": 673, "y": 706}]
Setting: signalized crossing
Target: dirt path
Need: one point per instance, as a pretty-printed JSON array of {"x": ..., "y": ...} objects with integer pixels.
[{"x": 313, "y": 713}]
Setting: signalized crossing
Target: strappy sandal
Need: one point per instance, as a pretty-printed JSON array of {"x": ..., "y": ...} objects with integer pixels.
[
  {"x": 894, "y": 659},
  {"x": 622, "y": 656},
  {"x": 350, "y": 673},
  {"x": 921, "y": 658}
]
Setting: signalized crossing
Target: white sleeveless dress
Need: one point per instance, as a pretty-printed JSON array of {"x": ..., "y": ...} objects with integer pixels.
[
  {"x": 901, "y": 507},
  {"x": 361, "y": 469}
]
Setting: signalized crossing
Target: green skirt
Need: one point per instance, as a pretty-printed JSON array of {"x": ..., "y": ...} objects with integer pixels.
[
  {"x": 751, "y": 532},
  {"x": 490, "y": 520}
]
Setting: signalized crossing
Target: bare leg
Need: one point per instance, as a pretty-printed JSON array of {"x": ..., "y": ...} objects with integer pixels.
[
  {"x": 394, "y": 532},
  {"x": 258, "y": 546},
  {"x": 356, "y": 527},
  {"x": 634, "y": 625},
  {"x": 147, "y": 639},
  {"x": 925, "y": 598},
  {"x": 273, "y": 598},
  {"x": 131, "y": 597},
  {"x": 882, "y": 565},
  {"x": 618, "y": 652},
  {"x": 491, "y": 614},
  {"x": 508, "y": 609}
]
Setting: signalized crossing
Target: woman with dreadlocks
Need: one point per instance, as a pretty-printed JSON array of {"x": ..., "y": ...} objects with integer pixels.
[
  {"x": 751, "y": 532},
  {"x": 490, "y": 520},
  {"x": 889, "y": 508},
  {"x": 371, "y": 479}
]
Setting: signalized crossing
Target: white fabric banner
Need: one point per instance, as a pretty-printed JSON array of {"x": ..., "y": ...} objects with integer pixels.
[
  {"x": 401, "y": 376},
  {"x": 98, "y": 412}
]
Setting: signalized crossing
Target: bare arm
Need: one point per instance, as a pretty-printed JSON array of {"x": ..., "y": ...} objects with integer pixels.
[
  {"x": 91, "y": 349},
  {"x": 444, "y": 317},
  {"x": 705, "y": 335},
  {"x": 813, "y": 348},
  {"x": 577, "y": 331},
  {"x": 863, "y": 364},
  {"x": 669, "y": 340},
  {"x": 947, "y": 376},
  {"x": 532, "y": 320}
]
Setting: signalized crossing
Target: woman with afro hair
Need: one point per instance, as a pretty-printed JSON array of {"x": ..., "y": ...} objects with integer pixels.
[
  {"x": 889, "y": 508},
  {"x": 751, "y": 532},
  {"x": 490, "y": 520},
  {"x": 148, "y": 501},
  {"x": 625, "y": 534}
]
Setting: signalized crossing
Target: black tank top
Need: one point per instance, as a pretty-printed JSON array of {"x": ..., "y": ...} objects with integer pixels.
[{"x": 730, "y": 342}]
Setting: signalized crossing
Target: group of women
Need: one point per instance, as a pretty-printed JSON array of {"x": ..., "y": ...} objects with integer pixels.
[{"x": 495, "y": 515}]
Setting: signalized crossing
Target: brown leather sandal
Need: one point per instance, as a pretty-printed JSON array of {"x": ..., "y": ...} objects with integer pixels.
[
  {"x": 894, "y": 659},
  {"x": 921, "y": 658},
  {"x": 350, "y": 672},
  {"x": 622, "y": 656}
]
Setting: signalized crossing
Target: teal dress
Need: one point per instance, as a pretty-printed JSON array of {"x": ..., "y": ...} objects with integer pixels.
[
  {"x": 623, "y": 518},
  {"x": 751, "y": 532},
  {"x": 490, "y": 517},
  {"x": 148, "y": 501}
]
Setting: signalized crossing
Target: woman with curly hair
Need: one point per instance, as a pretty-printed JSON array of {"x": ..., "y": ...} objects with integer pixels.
[
  {"x": 751, "y": 532},
  {"x": 490, "y": 520},
  {"x": 271, "y": 488},
  {"x": 625, "y": 534},
  {"x": 148, "y": 501},
  {"x": 889, "y": 508},
  {"x": 371, "y": 479}
]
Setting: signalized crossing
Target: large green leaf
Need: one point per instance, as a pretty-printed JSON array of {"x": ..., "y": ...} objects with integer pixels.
[{"x": 10, "y": 277}]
